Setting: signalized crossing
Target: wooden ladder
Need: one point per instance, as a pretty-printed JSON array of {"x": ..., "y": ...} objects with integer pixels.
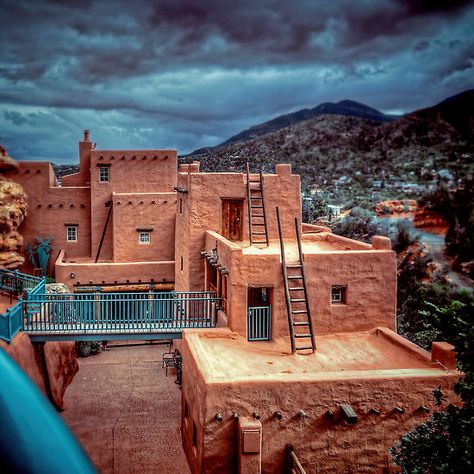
[
  {"x": 258, "y": 231},
  {"x": 296, "y": 293}
]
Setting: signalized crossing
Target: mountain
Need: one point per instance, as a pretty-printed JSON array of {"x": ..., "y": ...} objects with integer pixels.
[
  {"x": 344, "y": 155},
  {"x": 349, "y": 108}
]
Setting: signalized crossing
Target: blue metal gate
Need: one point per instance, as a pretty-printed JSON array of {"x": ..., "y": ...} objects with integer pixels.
[{"x": 259, "y": 323}]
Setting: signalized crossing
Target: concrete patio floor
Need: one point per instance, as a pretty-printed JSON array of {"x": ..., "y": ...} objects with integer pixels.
[{"x": 126, "y": 412}]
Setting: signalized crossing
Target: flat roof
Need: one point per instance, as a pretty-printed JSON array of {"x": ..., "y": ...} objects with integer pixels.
[
  {"x": 224, "y": 356},
  {"x": 291, "y": 247}
]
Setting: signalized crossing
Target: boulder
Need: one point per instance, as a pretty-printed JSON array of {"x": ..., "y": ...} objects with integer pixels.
[{"x": 13, "y": 210}]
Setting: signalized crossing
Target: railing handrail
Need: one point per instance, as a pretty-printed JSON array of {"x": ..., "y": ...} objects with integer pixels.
[{"x": 25, "y": 276}]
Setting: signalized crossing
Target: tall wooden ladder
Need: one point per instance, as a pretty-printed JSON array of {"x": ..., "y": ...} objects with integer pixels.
[
  {"x": 258, "y": 231},
  {"x": 296, "y": 293}
]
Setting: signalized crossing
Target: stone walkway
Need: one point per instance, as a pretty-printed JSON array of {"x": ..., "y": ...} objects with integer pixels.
[{"x": 126, "y": 412}]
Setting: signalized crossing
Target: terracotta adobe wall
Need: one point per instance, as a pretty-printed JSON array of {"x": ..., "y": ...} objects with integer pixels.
[
  {"x": 153, "y": 211},
  {"x": 88, "y": 273},
  {"x": 137, "y": 171},
  {"x": 50, "y": 207},
  {"x": 369, "y": 275},
  {"x": 83, "y": 177},
  {"x": 370, "y": 278},
  {"x": 203, "y": 211},
  {"x": 324, "y": 444}
]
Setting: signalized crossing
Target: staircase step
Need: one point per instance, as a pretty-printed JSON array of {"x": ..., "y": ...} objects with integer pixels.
[
  {"x": 296, "y": 288},
  {"x": 299, "y": 336},
  {"x": 305, "y": 348},
  {"x": 299, "y": 311},
  {"x": 300, "y": 323}
]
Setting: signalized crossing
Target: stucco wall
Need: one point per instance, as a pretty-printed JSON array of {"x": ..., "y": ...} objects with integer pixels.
[
  {"x": 156, "y": 211},
  {"x": 323, "y": 444},
  {"x": 85, "y": 273},
  {"x": 370, "y": 277},
  {"x": 203, "y": 211},
  {"x": 50, "y": 207}
]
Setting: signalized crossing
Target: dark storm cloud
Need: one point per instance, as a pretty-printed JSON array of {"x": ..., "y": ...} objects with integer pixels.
[{"x": 186, "y": 73}]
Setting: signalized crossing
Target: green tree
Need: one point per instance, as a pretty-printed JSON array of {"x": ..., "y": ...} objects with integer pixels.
[
  {"x": 314, "y": 207},
  {"x": 445, "y": 443},
  {"x": 360, "y": 224}
]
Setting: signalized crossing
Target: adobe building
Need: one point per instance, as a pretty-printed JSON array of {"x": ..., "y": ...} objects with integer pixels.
[{"x": 305, "y": 352}]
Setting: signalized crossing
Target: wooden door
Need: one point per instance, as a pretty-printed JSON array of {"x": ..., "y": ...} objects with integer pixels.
[{"x": 232, "y": 218}]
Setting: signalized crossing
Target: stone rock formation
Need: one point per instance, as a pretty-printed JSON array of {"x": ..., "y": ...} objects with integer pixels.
[
  {"x": 12, "y": 212},
  {"x": 51, "y": 366}
]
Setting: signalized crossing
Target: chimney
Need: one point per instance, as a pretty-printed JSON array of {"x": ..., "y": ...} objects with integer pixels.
[{"x": 86, "y": 135}]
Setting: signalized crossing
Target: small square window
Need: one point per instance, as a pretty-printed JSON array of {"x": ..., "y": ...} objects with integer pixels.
[
  {"x": 144, "y": 237},
  {"x": 104, "y": 174},
  {"x": 71, "y": 233},
  {"x": 338, "y": 294}
]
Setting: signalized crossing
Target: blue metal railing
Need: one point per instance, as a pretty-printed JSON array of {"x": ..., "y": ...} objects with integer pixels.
[
  {"x": 12, "y": 321},
  {"x": 259, "y": 323},
  {"x": 119, "y": 313},
  {"x": 16, "y": 284}
]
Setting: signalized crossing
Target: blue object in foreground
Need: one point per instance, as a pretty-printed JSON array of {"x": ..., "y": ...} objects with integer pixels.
[{"x": 33, "y": 437}]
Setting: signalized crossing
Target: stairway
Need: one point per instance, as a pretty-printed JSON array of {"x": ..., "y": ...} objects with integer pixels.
[
  {"x": 258, "y": 232},
  {"x": 296, "y": 293}
]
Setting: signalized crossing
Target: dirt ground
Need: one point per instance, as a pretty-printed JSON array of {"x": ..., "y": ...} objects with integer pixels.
[{"x": 126, "y": 412}]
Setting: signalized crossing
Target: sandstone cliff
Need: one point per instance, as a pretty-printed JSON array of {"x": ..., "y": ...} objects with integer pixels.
[{"x": 12, "y": 212}]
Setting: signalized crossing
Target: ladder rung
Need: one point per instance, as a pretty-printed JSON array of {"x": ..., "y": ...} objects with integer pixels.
[
  {"x": 300, "y": 323},
  {"x": 299, "y": 311},
  {"x": 298, "y": 300},
  {"x": 302, "y": 335},
  {"x": 304, "y": 348},
  {"x": 296, "y": 288},
  {"x": 294, "y": 277},
  {"x": 257, "y": 223},
  {"x": 256, "y": 207},
  {"x": 253, "y": 181},
  {"x": 294, "y": 265},
  {"x": 259, "y": 233}
]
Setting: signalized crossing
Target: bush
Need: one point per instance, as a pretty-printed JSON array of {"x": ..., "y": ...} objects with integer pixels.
[
  {"x": 87, "y": 348},
  {"x": 360, "y": 224},
  {"x": 444, "y": 444}
]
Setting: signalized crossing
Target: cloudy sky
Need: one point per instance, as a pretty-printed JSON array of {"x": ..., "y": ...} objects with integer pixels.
[{"x": 190, "y": 73}]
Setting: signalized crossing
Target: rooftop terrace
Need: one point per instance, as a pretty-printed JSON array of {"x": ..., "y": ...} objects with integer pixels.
[{"x": 367, "y": 355}]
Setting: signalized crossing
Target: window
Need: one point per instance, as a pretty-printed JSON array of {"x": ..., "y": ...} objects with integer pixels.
[
  {"x": 104, "y": 174},
  {"x": 144, "y": 238},
  {"x": 338, "y": 294},
  {"x": 71, "y": 233},
  {"x": 182, "y": 264},
  {"x": 180, "y": 205}
]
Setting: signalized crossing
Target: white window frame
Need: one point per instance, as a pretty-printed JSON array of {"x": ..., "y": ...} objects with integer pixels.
[
  {"x": 105, "y": 175},
  {"x": 144, "y": 237},
  {"x": 71, "y": 231},
  {"x": 341, "y": 294}
]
